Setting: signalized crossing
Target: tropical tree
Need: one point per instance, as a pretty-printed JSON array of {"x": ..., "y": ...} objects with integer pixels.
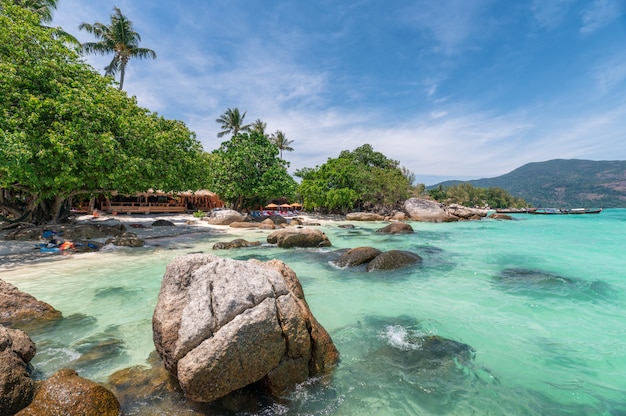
[
  {"x": 42, "y": 8},
  {"x": 232, "y": 122},
  {"x": 258, "y": 126},
  {"x": 65, "y": 130},
  {"x": 362, "y": 178},
  {"x": 246, "y": 172},
  {"x": 118, "y": 38},
  {"x": 279, "y": 140}
]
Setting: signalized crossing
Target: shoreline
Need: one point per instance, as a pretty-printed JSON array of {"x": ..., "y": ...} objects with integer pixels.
[{"x": 19, "y": 253}]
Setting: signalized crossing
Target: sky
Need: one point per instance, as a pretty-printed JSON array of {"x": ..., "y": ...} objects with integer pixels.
[{"x": 451, "y": 89}]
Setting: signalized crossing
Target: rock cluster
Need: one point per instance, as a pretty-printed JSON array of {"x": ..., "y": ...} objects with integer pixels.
[
  {"x": 16, "y": 387},
  {"x": 377, "y": 260},
  {"x": 221, "y": 324}
]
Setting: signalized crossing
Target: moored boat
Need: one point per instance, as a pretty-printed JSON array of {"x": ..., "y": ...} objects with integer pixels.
[{"x": 556, "y": 211}]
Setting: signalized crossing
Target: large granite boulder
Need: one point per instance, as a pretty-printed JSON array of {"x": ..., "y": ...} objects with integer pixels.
[
  {"x": 298, "y": 237},
  {"x": 224, "y": 217},
  {"x": 364, "y": 216},
  {"x": 427, "y": 211},
  {"x": 393, "y": 259},
  {"x": 16, "y": 387},
  {"x": 396, "y": 228},
  {"x": 221, "y": 324},
  {"x": 356, "y": 257},
  {"x": 66, "y": 393},
  {"x": 20, "y": 307},
  {"x": 466, "y": 213}
]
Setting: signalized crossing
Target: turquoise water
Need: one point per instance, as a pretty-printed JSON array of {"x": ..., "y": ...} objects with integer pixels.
[{"x": 534, "y": 311}]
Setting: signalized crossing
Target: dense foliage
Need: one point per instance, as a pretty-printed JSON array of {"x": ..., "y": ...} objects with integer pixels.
[
  {"x": 564, "y": 183},
  {"x": 246, "y": 172},
  {"x": 467, "y": 195},
  {"x": 361, "y": 179},
  {"x": 64, "y": 129}
]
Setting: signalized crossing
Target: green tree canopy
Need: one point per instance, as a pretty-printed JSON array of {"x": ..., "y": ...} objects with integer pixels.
[
  {"x": 118, "y": 38},
  {"x": 468, "y": 195},
  {"x": 363, "y": 179},
  {"x": 246, "y": 172},
  {"x": 64, "y": 129}
]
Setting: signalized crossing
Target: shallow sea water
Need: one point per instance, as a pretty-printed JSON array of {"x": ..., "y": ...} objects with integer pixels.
[{"x": 532, "y": 312}]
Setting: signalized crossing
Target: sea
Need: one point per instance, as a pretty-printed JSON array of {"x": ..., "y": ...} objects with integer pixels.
[{"x": 502, "y": 317}]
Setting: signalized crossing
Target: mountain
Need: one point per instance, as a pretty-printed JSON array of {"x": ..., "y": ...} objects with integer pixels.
[{"x": 563, "y": 183}]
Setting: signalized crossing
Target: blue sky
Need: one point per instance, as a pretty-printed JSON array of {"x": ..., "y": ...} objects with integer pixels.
[{"x": 452, "y": 89}]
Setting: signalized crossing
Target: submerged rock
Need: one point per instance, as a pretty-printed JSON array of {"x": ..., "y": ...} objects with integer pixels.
[
  {"x": 396, "y": 228},
  {"x": 66, "y": 393},
  {"x": 126, "y": 240},
  {"x": 221, "y": 324}
]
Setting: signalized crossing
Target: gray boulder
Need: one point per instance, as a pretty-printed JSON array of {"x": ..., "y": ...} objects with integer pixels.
[
  {"x": 224, "y": 217},
  {"x": 221, "y": 324},
  {"x": 357, "y": 256},
  {"x": 298, "y": 237},
  {"x": 237, "y": 243},
  {"x": 163, "y": 223},
  {"x": 427, "y": 211},
  {"x": 393, "y": 259},
  {"x": 466, "y": 213},
  {"x": 364, "y": 216},
  {"x": 16, "y": 387},
  {"x": 396, "y": 228},
  {"x": 19, "y": 307}
]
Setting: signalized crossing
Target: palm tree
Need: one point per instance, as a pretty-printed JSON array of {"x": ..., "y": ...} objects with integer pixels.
[
  {"x": 280, "y": 140},
  {"x": 118, "y": 38},
  {"x": 42, "y": 8},
  {"x": 258, "y": 127},
  {"x": 232, "y": 122}
]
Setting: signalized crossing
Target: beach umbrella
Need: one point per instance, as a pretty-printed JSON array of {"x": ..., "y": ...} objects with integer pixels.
[
  {"x": 285, "y": 206},
  {"x": 295, "y": 204},
  {"x": 271, "y": 206}
]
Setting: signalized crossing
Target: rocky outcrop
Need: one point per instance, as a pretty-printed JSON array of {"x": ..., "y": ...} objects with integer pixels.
[
  {"x": 224, "y": 217},
  {"x": 500, "y": 216},
  {"x": 466, "y": 213},
  {"x": 244, "y": 224},
  {"x": 364, "y": 216},
  {"x": 66, "y": 393},
  {"x": 163, "y": 223},
  {"x": 16, "y": 387},
  {"x": 237, "y": 243},
  {"x": 17, "y": 306},
  {"x": 298, "y": 237},
  {"x": 221, "y": 324},
  {"x": 396, "y": 228},
  {"x": 28, "y": 232},
  {"x": 126, "y": 240},
  {"x": 427, "y": 211},
  {"x": 393, "y": 259},
  {"x": 357, "y": 256}
]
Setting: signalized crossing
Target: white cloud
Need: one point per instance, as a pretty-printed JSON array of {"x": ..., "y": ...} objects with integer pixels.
[
  {"x": 551, "y": 13},
  {"x": 599, "y": 14}
]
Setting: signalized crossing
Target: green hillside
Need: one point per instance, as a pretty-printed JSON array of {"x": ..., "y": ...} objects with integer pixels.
[{"x": 563, "y": 183}]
